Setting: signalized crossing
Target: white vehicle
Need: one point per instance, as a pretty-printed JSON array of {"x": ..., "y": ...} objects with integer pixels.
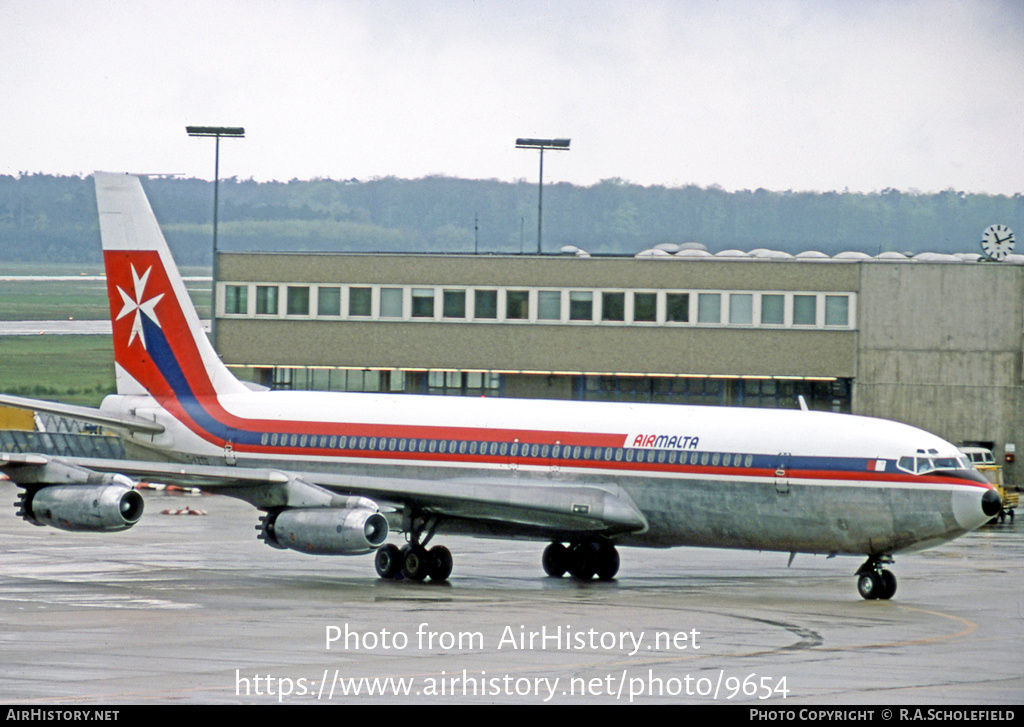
[
  {"x": 330, "y": 470},
  {"x": 979, "y": 456}
]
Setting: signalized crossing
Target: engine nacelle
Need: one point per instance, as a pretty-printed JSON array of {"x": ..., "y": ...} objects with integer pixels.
[
  {"x": 326, "y": 530},
  {"x": 83, "y": 508}
]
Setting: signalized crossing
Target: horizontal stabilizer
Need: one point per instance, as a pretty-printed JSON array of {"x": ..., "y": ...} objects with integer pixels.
[{"x": 85, "y": 414}]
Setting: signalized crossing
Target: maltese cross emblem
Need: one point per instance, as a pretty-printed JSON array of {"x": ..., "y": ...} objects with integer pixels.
[{"x": 138, "y": 305}]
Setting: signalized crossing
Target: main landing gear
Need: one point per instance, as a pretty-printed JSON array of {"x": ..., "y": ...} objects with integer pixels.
[
  {"x": 582, "y": 560},
  {"x": 413, "y": 561},
  {"x": 875, "y": 582}
]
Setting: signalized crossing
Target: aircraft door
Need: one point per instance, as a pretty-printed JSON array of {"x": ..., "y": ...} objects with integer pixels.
[
  {"x": 782, "y": 473},
  {"x": 229, "y": 449}
]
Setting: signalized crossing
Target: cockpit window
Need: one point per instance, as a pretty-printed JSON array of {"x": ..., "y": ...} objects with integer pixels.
[{"x": 922, "y": 465}]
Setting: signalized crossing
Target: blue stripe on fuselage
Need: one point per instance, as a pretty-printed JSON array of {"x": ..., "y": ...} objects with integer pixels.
[{"x": 160, "y": 351}]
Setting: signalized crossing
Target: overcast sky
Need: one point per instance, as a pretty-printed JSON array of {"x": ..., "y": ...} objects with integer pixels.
[{"x": 798, "y": 94}]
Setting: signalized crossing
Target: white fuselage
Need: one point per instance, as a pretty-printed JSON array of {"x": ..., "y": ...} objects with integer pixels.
[{"x": 708, "y": 476}]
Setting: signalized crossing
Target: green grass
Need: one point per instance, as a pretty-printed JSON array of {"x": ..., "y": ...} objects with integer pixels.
[
  {"x": 58, "y": 300},
  {"x": 52, "y": 301},
  {"x": 52, "y": 269},
  {"x": 71, "y": 369}
]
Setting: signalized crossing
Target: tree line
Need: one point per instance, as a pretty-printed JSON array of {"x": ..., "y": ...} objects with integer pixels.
[{"x": 50, "y": 218}]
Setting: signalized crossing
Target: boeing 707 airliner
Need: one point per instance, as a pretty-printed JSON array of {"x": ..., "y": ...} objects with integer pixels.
[{"x": 335, "y": 473}]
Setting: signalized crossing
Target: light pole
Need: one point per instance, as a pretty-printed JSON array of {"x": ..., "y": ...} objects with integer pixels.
[
  {"x": 542, "y": 144},
  {"x": 217, "y": 132}
]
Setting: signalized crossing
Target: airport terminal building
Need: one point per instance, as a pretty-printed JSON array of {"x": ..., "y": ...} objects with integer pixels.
[{"x": 936, "y": 341}]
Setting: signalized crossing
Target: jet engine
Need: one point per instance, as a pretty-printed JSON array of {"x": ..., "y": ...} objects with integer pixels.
[
  {"x": 82, "y": 508},
  {"x": 325, "y": 530}
]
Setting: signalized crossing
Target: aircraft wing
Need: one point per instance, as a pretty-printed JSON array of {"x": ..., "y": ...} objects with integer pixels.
[
  {"x": 554, "y": 506},
  {"x": 84, "y": 413},
  {"x": 476, "y": 505}
]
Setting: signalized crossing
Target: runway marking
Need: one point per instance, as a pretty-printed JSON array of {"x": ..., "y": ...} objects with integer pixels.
[
  {"x": 98, "y": 601},
  {"x": 970, "y": 628}
]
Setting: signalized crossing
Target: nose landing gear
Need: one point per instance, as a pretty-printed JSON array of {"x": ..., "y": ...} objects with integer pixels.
[{"x": 875, "y": 582}]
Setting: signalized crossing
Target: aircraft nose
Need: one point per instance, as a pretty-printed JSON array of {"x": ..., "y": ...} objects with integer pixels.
[
  {"x": 973, "y": 508},
  {"x": 991, "y": 503}
]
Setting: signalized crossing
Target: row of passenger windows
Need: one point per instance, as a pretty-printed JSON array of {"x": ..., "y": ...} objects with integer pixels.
[
  {"x": 507, "y": 449},
  {"x": 538, "y": 305}
]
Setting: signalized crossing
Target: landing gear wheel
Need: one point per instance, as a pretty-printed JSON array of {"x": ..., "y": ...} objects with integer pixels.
[
  {"x": 417, "y": 563},
  {"x": 608, "y": 562},
  {"x": 388, "y": 561},
  {"x": 583, "y": 560},
  {"x": 869, "y": 585},
  {"x": 440, "y": 563},
  {"x": 875, "y": 582},
  {"x": 888, "y": 585},
  {"x": 555, "y": 560}
]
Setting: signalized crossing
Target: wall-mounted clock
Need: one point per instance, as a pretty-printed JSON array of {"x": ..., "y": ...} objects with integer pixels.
[{"x": 997, "y": 242}]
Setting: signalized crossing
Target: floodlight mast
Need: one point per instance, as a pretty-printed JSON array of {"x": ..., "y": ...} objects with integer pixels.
[
  {"x": 542, "y": 144},
  {"x": 217, "y": 132}
]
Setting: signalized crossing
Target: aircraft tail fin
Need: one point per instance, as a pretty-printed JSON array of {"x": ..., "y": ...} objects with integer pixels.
[{"x": 160, "y": 347}]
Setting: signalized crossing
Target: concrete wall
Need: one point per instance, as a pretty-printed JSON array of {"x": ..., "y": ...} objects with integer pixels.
[
  {"x": 941, "y": 347},
  {"x": 534, "y": 347},
  {"x": 500, "y": 270}
]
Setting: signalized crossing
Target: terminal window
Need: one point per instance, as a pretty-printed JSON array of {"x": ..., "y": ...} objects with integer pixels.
[
  {"x": 359, "y": 301},
  {"x": 298, "y": 301},
  {"x": 462, "y": 383},
  {"x": 822, "y": 395},
  {"x": 581, "y": 305},
  {"x": 805, "y": 310},
  {"x": 236, "y": 299},
  {"x": 391, "y": 302},
  {"x": 549, "y": 305},
  {"x": 328, "y": 301},
  {"x": 454, "y": 304},
  {"x": 266, "y": 300},
  {"x": 677, "y": 307},
  {"x": 741, "y": 309},
  {"x": 485, "y": 304},
  {"x": 709, "y": 308},
  {"x": 773, "y": 310},
  {"x": 613, "y": 306},
  {"x": 517, "y": 304},
  {"x": 645, "y": 307},
  {"x": 422, "y": 302},
  {"x": 837, "y": 310}
]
